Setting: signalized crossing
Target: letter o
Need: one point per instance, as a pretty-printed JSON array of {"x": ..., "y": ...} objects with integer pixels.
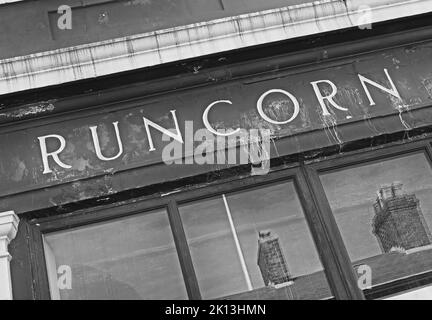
[{"x": 289, "y": 95}]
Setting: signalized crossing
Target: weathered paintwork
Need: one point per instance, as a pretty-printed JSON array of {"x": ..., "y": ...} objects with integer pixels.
[
  {"x": 31, "y": 26},
  {"x": 21, "y": 168}
]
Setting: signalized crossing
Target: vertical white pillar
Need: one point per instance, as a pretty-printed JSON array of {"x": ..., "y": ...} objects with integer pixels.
[
  {"x": 238, "y": 247},
  {"x": 8, "y": 229}
]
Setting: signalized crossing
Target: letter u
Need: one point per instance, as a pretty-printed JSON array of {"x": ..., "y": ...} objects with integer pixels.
[{"x": 97, "y": 144}]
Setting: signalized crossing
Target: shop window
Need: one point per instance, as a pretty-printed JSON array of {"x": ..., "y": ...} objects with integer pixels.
[
  {"x": 424, "y": 293},
  {"x": 127, "y": 258},
  {"x": 384, "y": 213},
  {"x": 253, "y": 244}
]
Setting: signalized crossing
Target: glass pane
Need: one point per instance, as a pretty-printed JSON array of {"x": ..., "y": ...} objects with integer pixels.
[
  {"x": 254, "y": 245},
  {"x": 129, "y": 258},
  {"x": 424, "y": 293},
  {"x": 384, "y": 213}
]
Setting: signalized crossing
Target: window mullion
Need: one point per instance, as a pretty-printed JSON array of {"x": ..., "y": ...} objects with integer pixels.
[
  {"x": 183, "y": 252},
  {"x": 333, "y": 253}
]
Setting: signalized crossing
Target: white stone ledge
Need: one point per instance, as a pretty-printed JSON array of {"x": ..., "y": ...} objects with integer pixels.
[
  {"x": 8, "y": 230},
  {"x": 8, "y": 1},
  {"x": 163, "y": 46}
]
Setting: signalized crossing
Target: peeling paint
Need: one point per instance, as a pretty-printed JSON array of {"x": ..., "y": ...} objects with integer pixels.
[
  {"x": 21, "y": 166},
  {"x": 138, "y": 2},
  {"x": 401, "y": 110},
  {"x": 330, "y": 128},
  {"x": 427, "y": 84},
  {"x": 20, "y": 169},
  {"x": 25, "y": 111},
  {"x": 103, "y": 18}
]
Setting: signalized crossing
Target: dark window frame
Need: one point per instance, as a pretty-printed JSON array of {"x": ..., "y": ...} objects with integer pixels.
[
  {"x": 361, "y": 157},
  {"x": 329, "y": 258},
  {"x": 305, "y": 176}
]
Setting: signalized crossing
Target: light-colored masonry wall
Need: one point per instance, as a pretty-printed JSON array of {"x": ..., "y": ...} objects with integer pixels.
[{"x": 184, "y": 42}]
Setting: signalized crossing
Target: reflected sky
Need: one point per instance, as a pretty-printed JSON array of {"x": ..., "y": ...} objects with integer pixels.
[
  {"x": 128, "y": 258},
  {"x": 352, "y": 192},
  {"x": 212, "y": 245}
]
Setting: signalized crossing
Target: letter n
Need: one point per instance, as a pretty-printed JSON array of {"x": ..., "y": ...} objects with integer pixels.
[
  {"x": 393, "y": 90},
  {"x": 176, "y": 136}
]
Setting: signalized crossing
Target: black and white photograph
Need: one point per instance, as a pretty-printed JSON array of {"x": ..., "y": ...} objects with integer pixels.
[{"x": 216, "y": 156}]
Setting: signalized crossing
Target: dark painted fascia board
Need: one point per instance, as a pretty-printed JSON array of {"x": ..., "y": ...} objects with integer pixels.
[{"x": 215, "y": 68}]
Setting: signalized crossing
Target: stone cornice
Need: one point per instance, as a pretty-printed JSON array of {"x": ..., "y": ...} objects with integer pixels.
[
  {"x": 8, "y": 225},
  {"x": 179, "y": 43}
]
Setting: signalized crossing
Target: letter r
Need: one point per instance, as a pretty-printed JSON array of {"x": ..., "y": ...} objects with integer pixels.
[{"x": 53, "y": 154}]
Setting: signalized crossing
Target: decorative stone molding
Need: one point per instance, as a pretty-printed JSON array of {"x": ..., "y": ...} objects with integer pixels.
[
  {"x": 8, "y": 229},
  {"x": 8, "y": 1},
  {"x": 163, "y": 46}
]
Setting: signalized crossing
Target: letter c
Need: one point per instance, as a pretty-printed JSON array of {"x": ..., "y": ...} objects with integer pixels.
[{"x": 207, "y": 124}]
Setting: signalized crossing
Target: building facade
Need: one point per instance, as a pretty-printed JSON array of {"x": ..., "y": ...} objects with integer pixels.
[
  {"x": 271, "y": 260},
  {"x": 399, "y": 222},
  {"x": 147, "y": 146}
]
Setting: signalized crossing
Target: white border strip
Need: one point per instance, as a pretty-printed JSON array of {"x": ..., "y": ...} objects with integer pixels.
[
  {"x": 8, "y": 230},
  {"x": 153, "y": 48}
]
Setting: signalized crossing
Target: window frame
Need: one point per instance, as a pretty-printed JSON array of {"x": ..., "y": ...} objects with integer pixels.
[
  {"x": 305, "y": 177},
  {"x": 332, "y": 261},
  {"x": 363, "y": 157}
]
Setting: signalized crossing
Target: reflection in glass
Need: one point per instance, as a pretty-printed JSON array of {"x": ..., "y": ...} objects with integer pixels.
[
  {"x": 423, "y": 293},
  {"x": 129, "y": 258},
  {"x": 384, "y": 213},
  {"x": 254, "y": 244}
]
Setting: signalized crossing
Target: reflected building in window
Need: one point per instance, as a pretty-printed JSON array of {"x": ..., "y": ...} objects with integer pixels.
[
  {"x": 398, "y": 220},
  {"x": 271, "y": 260}
]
